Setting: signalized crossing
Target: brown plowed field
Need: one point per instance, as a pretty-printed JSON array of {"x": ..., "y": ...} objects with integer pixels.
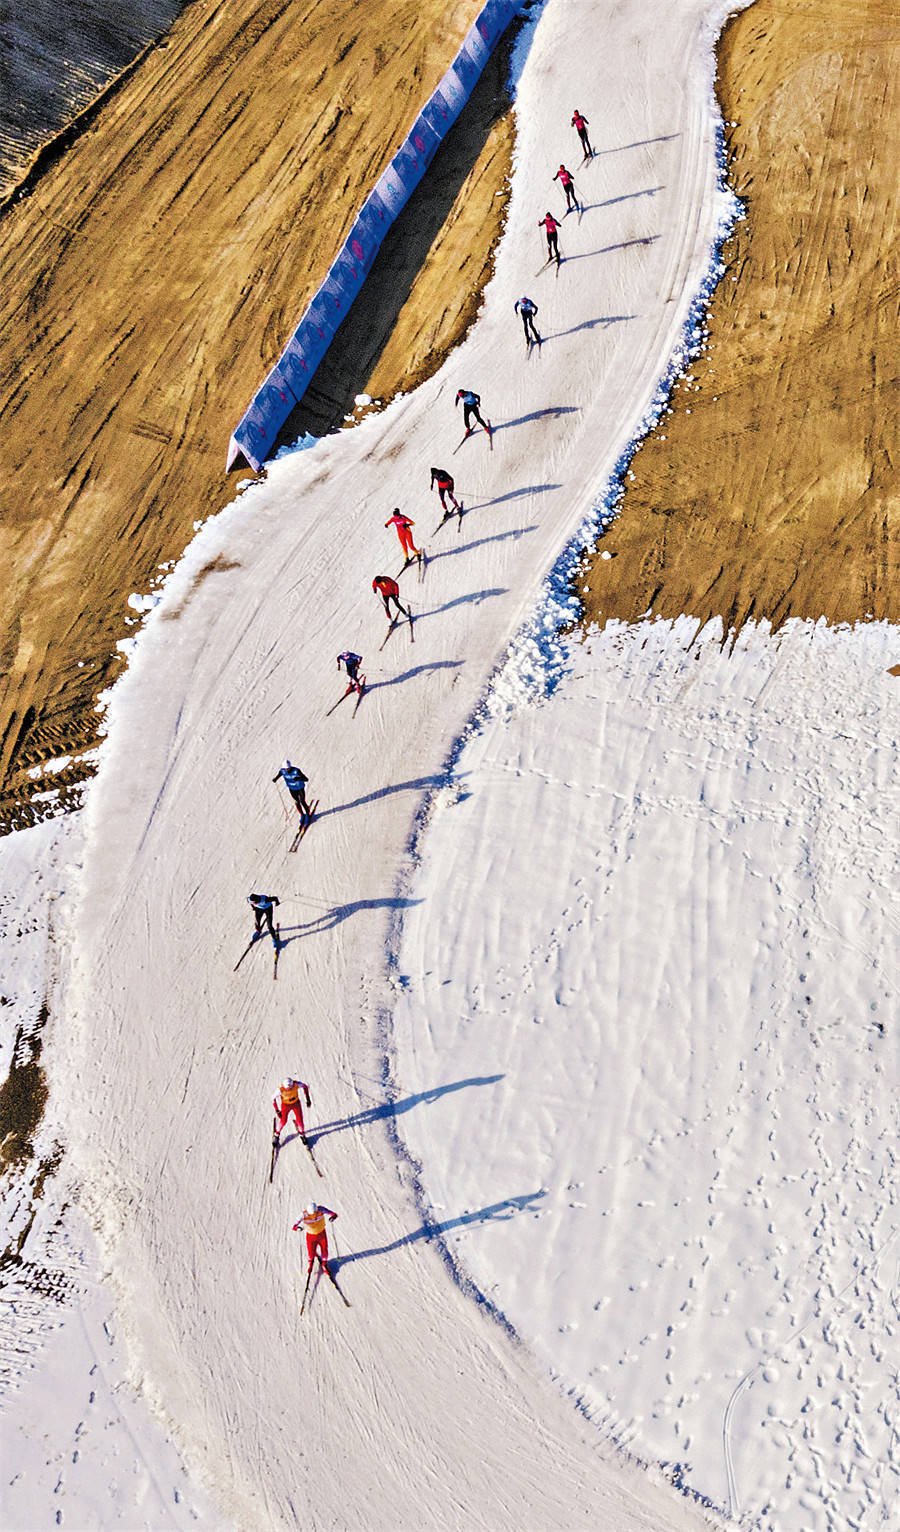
[
  {"x": 771, "y": 489},
  {"x": 151, "y": 274}
]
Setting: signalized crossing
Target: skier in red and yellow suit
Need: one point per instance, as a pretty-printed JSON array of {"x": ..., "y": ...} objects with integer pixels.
[
  {"x": 287, "y": 1101},
  {"x": 313, "y": 1224}
]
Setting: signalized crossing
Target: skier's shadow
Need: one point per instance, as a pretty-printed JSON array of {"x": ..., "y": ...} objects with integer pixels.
[
  {"x": 374, "y": 686},
  {"x": 498, "y": 537},
  {"x": 393, "y": 1109},
  {"x": 524, "y": 420},
  {"x": 497, "y": 1212},
  {"x": 647, "y": 191},
  {"x": 590, "y": 324},
  {"x": 417, "y": 783},
  {"x": 640, "y": 143},
  {"x": 475, "y": 595},
  {"x": 625, "y": 244},
  {"x": 339, "y": 913},
  {"x": 513, "y": 494}
]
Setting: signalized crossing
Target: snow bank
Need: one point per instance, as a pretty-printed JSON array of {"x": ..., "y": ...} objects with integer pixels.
[{"x": 649, "y": 924}]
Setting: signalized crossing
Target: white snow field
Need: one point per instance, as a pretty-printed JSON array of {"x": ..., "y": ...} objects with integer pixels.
[
  {"x": 655, "y": 930},
  {"x": 416, "y": 1407},
  {"x": 79, "y": 1448}
]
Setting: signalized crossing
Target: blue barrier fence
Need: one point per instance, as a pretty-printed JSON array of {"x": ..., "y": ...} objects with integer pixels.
[{"x": 286, "y": 383}]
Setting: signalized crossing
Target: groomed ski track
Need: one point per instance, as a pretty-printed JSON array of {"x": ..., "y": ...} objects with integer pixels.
[{"x": 415, "y": 1407}]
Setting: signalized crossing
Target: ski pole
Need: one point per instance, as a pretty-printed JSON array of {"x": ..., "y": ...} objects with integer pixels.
[
  {"x": 306, "y": 1288},
  {"x": 283, "y": 804}
]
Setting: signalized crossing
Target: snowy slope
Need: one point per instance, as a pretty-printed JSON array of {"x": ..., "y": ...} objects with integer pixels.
[
  {"x": 414, "y": 1407},
  {"x": 684, "y": 1034}
]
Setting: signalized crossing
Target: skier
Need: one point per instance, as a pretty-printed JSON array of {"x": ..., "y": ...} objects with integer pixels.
[
  {"x": 295, "y": 781},
  {"x": 287, "y": 1100},
  {"x": 444, "y": 482},
  {"x": 581, "y": 125},
  {"x": 564, "y": 177},
  {"x": 470, "y": 410},
  {"x": 528, "y": 309},
  {"x": 404, "y": 525},
  {"x": 351, "y": 663},
  {"x": 262, "y": 906},
  {"x": 550, "y": 224},
  {"x": 313, "y": 1224},
  {"x": 389, "y": 591}
]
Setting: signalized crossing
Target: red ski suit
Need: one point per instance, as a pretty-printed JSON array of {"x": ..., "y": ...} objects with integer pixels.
[
  {"x": 313, "y": 1225},
  {"x": 404, "y": 532},
  {"x": 287, "y": 1101}
]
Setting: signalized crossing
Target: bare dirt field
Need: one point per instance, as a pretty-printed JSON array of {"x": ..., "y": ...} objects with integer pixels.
[
  {"x": 151, "y": 273},
  {"x": 770, "y": 490}
]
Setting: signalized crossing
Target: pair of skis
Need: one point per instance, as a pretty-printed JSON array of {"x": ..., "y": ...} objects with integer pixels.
[
  {"x": 407, "y": 612},
  {"x": 276, "y": 1146},
  {"x": 332, "y": 1279},
  {"x": 304, "y": 826},
  {"x": 257, "y": 936},
  {"x": 420, "y": 558},
  {"x": 351, "y": 688},
  {"x": 449, "y": 515},
  {"x": 471, "y": 432}
]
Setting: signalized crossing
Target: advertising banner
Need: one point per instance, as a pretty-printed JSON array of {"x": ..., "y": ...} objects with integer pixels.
[{"x": 254, "y": 436}]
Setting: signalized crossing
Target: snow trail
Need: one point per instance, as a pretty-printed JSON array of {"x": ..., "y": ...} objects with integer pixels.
[{"x": 437, "y": 1415}]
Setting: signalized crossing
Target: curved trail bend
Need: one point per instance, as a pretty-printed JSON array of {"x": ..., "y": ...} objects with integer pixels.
[{"x": 412, "y": 1408}]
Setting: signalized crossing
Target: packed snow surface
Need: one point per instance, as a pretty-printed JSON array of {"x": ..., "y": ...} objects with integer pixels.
[
  {"x": 418, "y": 1406},
  {"x": 652, "y": 944}
]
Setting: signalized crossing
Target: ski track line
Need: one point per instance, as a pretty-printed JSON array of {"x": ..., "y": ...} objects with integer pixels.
[{"x": 436, "y": 1413}]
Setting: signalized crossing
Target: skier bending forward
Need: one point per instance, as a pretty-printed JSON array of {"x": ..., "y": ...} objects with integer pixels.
[
  {"x": 470, "y": 403},
  {"x": 528, "y": 308},
  {"x": 295, "y": 781},
  {"x": 389, "y": 591},
  {"x": 351, "y": 663},
  {"x": 313, "y": 1225},
  {"x": 262, "y": 906},
  {"x": 404, "y": 532},
  {"x": 444, "y": 482},
  {"x": 287, "y": 1100}
]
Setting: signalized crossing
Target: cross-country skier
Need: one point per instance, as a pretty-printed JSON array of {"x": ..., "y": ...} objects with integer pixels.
[
  {"x": 404, "y": 532},
  {"x": 470, "y": 403},
  {"x": 287, "y": 1100},
  {"x": 550, "y": 224},
  {"x": 262, "y": 906},
  {"x": 580, "y": 124},
  {"x": 389, "y": 591},
  {"x": 564, "y": 177},
  {"x": 527, "y": 308},
  {"x": 444, "y": 482},
  {"x": 313, "y": 1225},
  {"x": 295, "y": 781},
  {"x": 351, "y": 663}
]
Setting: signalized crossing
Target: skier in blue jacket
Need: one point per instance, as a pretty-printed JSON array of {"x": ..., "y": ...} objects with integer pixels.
[
  {"x": 470, "y": 403},
  {"x": 528, "y": 308},
  {"x": 295, "y": 782}
]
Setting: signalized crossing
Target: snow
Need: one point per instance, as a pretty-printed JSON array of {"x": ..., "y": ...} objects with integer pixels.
[
  {"x": 493, "y": 1275},
  {"x": 79, "y": 1447},
  {"x": 678, "y": 1042}
]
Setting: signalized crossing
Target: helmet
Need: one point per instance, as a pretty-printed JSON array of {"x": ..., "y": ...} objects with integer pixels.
[
  {"x": 286, "y": 1084},
  {"x": 285, "y": 765},
  {"x": 313, "y": 1208}
]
